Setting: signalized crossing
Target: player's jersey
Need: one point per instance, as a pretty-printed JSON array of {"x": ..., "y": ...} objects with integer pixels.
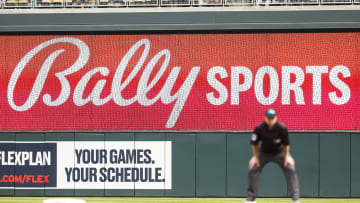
[{"x": 272, "y": 141}]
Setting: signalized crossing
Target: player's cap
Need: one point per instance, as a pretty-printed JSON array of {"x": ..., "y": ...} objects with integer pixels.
[{"x": 270, "y": 113}]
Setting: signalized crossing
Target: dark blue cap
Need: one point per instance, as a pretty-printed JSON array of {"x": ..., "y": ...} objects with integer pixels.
[{"x": 270, "y": 113}]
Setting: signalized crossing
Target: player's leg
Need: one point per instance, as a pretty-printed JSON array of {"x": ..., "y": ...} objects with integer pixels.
[
  {"x": 290, "y": 175},
  {"x": 253, "y": 177}
]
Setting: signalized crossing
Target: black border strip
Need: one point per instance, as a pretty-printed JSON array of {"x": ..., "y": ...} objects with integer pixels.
[{"x": 167, "y": 32}]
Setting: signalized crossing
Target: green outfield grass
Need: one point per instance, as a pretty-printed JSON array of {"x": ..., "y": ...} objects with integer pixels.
[{"x": 178, "y": 200}]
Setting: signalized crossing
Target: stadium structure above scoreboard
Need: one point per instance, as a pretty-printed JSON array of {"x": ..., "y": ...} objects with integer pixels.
[{"x": 170, "y": 19}]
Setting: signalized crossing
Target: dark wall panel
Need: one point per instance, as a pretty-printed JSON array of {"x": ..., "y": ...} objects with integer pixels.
[
  {"x": 210, "y": 164},
  {"x": 355, "y": 165},
  {"x": 238, "y": 156},
  {"x": 183, "y": 164},
  {"x": 334, "y": 165},
  {"x": 149, "y": 137},
  {"x": 305, "y": 150},
  {"x": 272, "y": 182}
]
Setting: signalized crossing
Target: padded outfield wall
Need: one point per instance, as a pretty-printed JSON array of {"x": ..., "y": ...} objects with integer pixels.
[{"x": 141, "y": 110}]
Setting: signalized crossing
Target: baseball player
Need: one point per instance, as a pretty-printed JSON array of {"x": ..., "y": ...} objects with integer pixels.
[{"x": 274, "y": 147}]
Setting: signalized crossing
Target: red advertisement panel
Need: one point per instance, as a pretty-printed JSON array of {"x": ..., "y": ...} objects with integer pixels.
[{"x": 179, "y": 81}]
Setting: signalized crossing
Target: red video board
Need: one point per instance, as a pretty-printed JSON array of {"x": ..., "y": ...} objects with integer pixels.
[{"x": 179, "y": 81}]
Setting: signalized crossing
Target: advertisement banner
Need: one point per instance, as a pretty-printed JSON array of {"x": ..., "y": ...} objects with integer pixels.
[
  {"x": 28, "y": 164},
  {"x": 179, "y": 81},
  {"x": 86, "y": 165}
]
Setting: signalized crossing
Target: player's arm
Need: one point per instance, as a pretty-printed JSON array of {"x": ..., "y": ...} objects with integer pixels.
[
  {"x": 286, "y": 143},
  {"x": 286, "y": 154},
  {"x": 255, "y": 150},
  {"x": 254, "y": 146}
]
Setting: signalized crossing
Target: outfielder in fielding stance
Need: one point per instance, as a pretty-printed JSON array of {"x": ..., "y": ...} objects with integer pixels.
[{"x": 274, "y": 147}]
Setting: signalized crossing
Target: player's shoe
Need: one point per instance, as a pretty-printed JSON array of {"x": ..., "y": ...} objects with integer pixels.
[
  {"x": 248, "y": 201},
  {"x": 296, "y": 201}
]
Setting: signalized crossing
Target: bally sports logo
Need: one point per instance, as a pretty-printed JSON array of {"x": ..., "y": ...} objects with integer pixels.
[
  {"x": 224, "y": 86},
  {"x": 118, "y": 83}
]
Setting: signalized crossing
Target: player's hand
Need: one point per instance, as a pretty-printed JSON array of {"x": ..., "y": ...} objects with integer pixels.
[
  {"x": 254, "y": 162},
  {"x": 257, "y": 162},
  {"x": 285, "y": 161}
]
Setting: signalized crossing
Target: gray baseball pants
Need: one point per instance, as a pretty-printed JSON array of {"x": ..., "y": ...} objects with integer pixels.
[{"x": 289, "y": 172}]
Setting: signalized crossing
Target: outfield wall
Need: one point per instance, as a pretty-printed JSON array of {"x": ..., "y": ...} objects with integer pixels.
[{"x": 215, "y": 164}]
